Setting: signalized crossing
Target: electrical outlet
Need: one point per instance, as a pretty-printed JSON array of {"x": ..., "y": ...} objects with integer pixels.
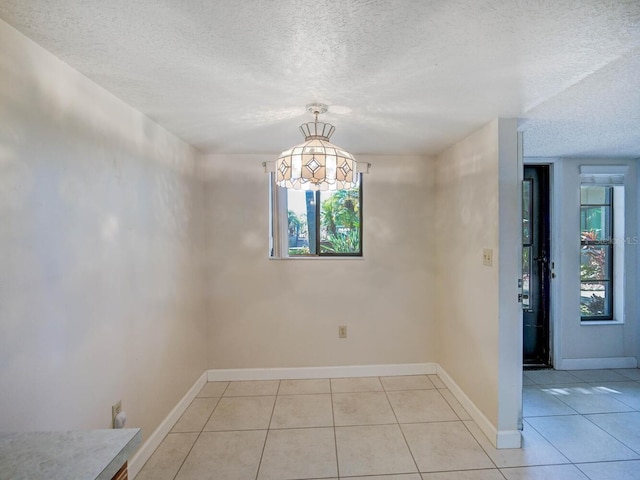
[
  {"x": 342, "y": 331},
  {"x": 115, "y": 410}
]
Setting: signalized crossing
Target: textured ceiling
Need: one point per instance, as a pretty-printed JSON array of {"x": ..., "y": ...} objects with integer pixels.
[{"x": 399, "y": 76}]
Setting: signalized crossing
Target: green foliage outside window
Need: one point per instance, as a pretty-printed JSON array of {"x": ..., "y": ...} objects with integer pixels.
[
  {"x": 340, "y": 222},
  {"x": 339, "y": 225}
]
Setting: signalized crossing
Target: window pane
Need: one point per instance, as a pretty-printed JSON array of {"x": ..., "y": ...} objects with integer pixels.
[
  {"x": 595, "y": 223},
  {"x": 596, "y": 252},
  {"x": 526, "y": 277},
  {"x": 298, "y": 213},
  {"x": 527, "y": 201},
  {"x": 595, "y": 262},
  {"x": 340, "y": 221},
  {"x": 314, "y": 223},
  {"x": 595, "y": 195},
  {"x": 595, "y": 299}
]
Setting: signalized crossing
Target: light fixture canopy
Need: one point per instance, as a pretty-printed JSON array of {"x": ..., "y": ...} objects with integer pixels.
[{"x": 316, "y": 164}]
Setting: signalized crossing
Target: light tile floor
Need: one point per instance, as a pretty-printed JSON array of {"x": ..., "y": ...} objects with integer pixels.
[{"x": 577, "y": 425}]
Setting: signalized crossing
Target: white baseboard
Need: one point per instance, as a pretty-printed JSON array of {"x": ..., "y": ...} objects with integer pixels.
[
  {"x": 499, "y": 439},
  {"x": 149, "y": 446},
  {"x": 596, "y": 363},
  {"x": 236, "y": 374},
  {"x": 508, "y": 439}
]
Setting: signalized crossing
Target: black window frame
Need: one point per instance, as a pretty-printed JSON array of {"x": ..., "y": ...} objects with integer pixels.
[
  {"x": 274, "y": 224},
  {"x": 607, "y": 242}
]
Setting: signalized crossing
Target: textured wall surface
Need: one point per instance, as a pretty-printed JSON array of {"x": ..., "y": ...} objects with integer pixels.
[
  {"x": 285, "y": 313},
  {"x": 99, "y": 291}
]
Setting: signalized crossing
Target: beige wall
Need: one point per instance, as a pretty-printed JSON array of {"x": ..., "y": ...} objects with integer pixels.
[
  {"x": 99, "y": 296},
  {"x": 285, "y": 313},
  {"x": 478, "y": 318}
]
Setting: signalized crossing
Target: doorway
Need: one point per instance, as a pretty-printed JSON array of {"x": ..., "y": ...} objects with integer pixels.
[{"x": 536, "y": 271}]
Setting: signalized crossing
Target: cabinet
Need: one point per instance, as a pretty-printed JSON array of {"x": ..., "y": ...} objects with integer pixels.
[{"x": 122, "y": 473}]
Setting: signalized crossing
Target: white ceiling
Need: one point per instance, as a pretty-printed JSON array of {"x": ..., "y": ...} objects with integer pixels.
[{"x": 399, "y": 76}]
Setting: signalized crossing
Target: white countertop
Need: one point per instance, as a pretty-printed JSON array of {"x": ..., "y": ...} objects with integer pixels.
[{"x": 74, "y": 455}]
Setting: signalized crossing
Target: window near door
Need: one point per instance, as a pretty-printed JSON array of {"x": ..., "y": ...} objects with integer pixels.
[
  {"x": 596, "y": 252},
  {"x": 527, "y": 241},
  {"x": 315, "y": 224}
]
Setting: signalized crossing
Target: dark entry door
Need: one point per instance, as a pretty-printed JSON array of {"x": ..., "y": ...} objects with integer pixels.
[{"x": 535, "y": 265}]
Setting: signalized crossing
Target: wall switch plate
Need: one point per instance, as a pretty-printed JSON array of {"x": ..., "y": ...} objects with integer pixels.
[
  {"x": 115, "y": 410},
  {"x": 342, "y": 331},
  {"x": 487, "y": 257}
]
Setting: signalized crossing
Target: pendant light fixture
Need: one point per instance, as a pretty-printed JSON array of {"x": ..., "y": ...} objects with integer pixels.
[{"x": 316, "y": 164}]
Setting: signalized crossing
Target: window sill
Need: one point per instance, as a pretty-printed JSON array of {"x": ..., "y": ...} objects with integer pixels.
[
  {"x": 315, "y": 258},
  {"x": 601, "y": 322}
]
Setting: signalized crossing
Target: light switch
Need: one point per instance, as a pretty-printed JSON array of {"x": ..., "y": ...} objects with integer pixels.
[
  {"x": 487, "y": 257},
  {"x": 342, "y": 331}
]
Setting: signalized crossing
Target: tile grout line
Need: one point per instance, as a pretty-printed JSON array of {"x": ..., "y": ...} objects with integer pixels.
[
  {"x": 406, "y": 442},
  {"x": 478, "y": 443},
  {"x": 335, "y": 435},
  {"x": 463, "y": 422},
  {"x": 186, "y": 456},
  {"x": 560, "y": 400},
  {"x": 266, "y": 436},
  {"x": 577, "y": 465},
  {"x": 451, "y": 406},
  {"x": 619, "y": 400},
  {"x": 611, "y": 435},
  {"x": 524, "y": 420},
  {"x": 545, "y": 437},
  {"x": 199, "y": 433}
]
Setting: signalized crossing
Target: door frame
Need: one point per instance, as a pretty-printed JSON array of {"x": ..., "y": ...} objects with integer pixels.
[{"x": 554, "y": 257}]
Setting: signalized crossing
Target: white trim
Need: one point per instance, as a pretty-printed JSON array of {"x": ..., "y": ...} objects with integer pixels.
[
  {"x": 499, "y": 439},
  {"x": 236, "y": 374},
  {"x": 604, "y": 169},
  {"x": 539, "y": 160},
  {"x": 603, "y": 174},
  {"x": 591, "y": 323},
  {"x": 596, "y": 363},
  {"x": 155, "y": 439},
  {"x": 510, "y": 326},
  {"x": 619, "y": 263},
  {"x": 508, "y": 439}
]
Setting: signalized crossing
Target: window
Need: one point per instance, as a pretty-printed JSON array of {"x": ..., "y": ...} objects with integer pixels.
[
  {"x": 315, "y": 224},
  {"x": 596, "y": 252},
  {"x": 602, "y": 243}
]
